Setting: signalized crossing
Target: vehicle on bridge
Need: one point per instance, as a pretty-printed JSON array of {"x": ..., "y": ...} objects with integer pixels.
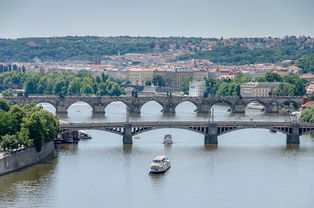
[{"x": 160, "y": 164}]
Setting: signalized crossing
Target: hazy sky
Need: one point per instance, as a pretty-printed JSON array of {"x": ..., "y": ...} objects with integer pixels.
[{"x": 205, "y": 18}]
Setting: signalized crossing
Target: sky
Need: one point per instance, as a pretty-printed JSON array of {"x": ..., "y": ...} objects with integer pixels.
[{"x": 162, "y": 18}]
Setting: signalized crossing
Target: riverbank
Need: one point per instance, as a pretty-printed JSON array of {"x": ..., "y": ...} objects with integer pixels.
[{"x": 18, "y": 160}]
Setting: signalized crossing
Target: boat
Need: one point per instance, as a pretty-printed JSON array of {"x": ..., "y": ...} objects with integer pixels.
[
  {"x": 256, "y": 106},
  {"x": 83, "y": 135},
  {"x": 167, "y": 139},
  {"x": 160, "y": 164}
]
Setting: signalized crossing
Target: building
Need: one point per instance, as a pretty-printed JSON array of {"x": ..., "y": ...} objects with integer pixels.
[
  {"x": 197, "y": 88},
  {"x": 307, "y": 104},
  {"x": 258, "y": 89}
]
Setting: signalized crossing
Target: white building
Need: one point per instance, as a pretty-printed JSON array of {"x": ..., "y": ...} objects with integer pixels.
[
  {"x": 258, "y": 89},
  {"x": 197, "y": 88}
]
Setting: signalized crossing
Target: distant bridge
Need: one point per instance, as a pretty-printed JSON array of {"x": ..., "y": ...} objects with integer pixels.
[
  {"x": 211, "y": 130},
  {"x": 203, "y": 104}
]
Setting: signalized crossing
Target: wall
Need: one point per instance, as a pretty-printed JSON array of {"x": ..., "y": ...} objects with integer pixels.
[{"x": 25, "y": 158}]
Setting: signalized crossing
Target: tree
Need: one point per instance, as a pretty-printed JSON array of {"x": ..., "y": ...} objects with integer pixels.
[
  {"x": 5, "y": 105},
  {"x": 307, "y": 115},
  {"x": 185, "y": 84},
  {"x": 7, "y": 92},
  {"x": 306, "y": 63},
  {"x": 158, "y": 80},
  {"x": 273, "y": 77},
  {"x": 9, "y": 142}
]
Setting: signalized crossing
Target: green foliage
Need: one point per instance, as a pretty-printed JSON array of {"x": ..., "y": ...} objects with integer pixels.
[
  {"x": 306, "y": 63},
  {"x": 307, "y": 115},
  {"x": 27, "y": 125},
  {"x": 148, "y": 83},
  {"x": 238, "y": 55},
  {"x": 159, "y": 81},
  {"x": 185, "y": 84},
  {"x": 7, "y": 92},
  {"x": 65, "y": 83},
  {"x": 272, "y": 77},
  {"x": 226, "y": 87},
  {"x": 9, "y": 142},
  {"x": 4, "y": 105},
  {"x": 81, "y": 48}
]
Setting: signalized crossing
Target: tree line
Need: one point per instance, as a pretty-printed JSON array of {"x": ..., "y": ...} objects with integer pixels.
[
  {"x": 239, "y": 55},
  {"x": 89, "y": 48},
  {"x": 23, "y": 126},
  {"x": 64, "y": 83},
  {"x": 291, "y": 85}
]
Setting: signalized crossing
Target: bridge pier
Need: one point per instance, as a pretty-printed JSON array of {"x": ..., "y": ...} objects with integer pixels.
[
  {"x": 169, "y": 109},
  {"x": 273, "y": 108},
  {"x": 98, "y": 109},
  {"x": 61, "y": 109},
  {"x": 294, "y": 137},
  {"x": 212, "y": 136},
  {"x": 203, "y": 109},
  {"x": 134, "y": 109},
  {"x": 127, "y": 134},
  {"x": 238, "y": 109}
]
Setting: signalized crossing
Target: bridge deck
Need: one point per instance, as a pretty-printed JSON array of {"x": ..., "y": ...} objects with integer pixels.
[{"x": 173, "y": 124}]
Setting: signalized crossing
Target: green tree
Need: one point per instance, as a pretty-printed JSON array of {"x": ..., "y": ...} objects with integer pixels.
[
  {"x": 7, "y": 92},
  {"x": 307, "y": 115},
  {"x": 158, "y": 80},
  {"x": 185, "y": 84},
  {"x": 9, "y": 142},
  {"x": 273, "y": 77},
  {"x": 306, "y": 63},
  {"x": 5, "y": 105}
]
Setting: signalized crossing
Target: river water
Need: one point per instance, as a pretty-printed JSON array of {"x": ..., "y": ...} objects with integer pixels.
[{"x": 249, "y": 168}]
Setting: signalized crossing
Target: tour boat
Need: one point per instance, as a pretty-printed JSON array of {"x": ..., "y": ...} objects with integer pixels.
[
  {"x": 160, "y": 164},
  {"x": 256, "y": 106},
  {"x": 167, "y": 139},
  {"x": 83, "y": 135}
]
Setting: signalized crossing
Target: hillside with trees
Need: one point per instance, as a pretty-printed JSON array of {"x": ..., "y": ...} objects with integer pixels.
[
  {"x": 239, "y": 55},
  {"x": 81, "y": 47}
]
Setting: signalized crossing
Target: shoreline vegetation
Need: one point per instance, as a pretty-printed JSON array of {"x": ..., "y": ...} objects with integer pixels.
[{"x": 25, "y": 126}]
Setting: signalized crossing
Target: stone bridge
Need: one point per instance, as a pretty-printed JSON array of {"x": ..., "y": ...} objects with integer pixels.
[
  {"x": 203, "y": 104},
  {"x": 211, "y": 130}
]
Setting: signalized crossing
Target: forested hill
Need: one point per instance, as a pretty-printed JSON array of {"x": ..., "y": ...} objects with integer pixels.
[
  {"x": 239, "y": 55},
  {"x": 233, "y": 51},
  {"x": 83, "y": 48}
]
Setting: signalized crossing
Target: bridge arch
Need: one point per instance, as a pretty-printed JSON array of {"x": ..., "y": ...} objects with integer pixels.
[
  {"x": 70, "y": 104},
  {"x": 157, "y": 106},
  {"x": 201, "y": 130},
  {"x": 48, "y": 106},
  {"x": 116, "y": 106},
  {"x": 225, "y": 131},
  {"x": 191, "y": 105},
  {"x": 257, "y": 101},
  {"x": 224, "y": 102}
]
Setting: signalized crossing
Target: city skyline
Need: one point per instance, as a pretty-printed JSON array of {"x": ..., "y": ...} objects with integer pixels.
[{"x": 198, "y": 18}]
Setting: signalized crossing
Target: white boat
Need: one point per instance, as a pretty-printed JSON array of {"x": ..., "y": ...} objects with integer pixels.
[
  {"x": 167, "y": 139},
  {"x": 83, "y": 135},
  {"x": 255, "y": 106},
  {"x": 160, "y": 164}
]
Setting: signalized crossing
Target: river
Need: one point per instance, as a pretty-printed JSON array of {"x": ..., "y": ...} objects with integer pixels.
[{"x": 249, "y": 168}]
